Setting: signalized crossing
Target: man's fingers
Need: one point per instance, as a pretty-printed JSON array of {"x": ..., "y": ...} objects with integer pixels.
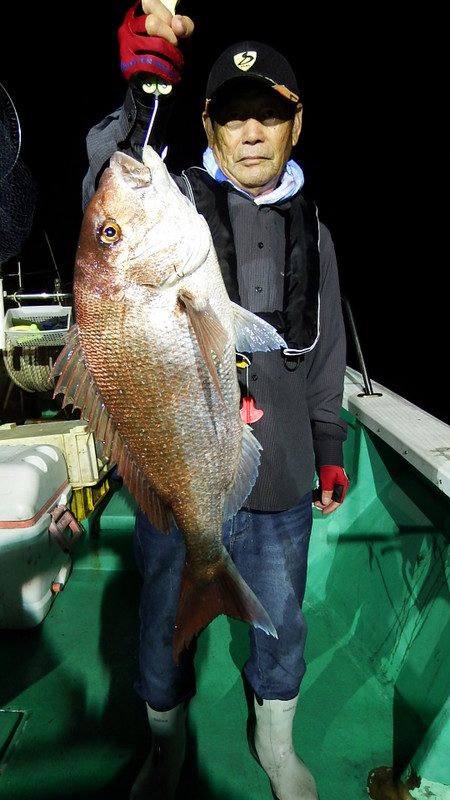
[
  {"x": 327, "y": 498},
  {"x": 182, "y": 26},
  {"x": 158, "y": 9},
  {"x": 161, "y": 22},
  {"x": 322, "y": 498},
  {"x": 156, "y": 27}
]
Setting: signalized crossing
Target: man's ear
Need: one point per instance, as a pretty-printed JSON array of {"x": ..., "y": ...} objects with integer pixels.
[
  {"x": 297, "y": 126},
  {"x": 208, "y": 126}
]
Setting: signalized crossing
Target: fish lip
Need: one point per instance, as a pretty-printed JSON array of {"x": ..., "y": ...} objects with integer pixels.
[
  {"x": 178, "y": 273},
  {"x": 175, "y": 276},
  {"x": 142, "y": 253},
  {"x": 196, "y": 258}
]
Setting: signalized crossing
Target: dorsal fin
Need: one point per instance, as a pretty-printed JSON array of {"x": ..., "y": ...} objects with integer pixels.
[{"x": 79, "y": 389}]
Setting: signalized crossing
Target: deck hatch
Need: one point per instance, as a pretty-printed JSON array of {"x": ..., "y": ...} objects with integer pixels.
[{"x": 10, "y": 724}]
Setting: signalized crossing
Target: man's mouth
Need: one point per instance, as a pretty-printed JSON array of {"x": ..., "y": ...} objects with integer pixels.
[{"x": 250, "y": 158}]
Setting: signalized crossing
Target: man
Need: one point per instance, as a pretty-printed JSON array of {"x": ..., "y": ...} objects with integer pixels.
[{"x": 277, "y": 260}]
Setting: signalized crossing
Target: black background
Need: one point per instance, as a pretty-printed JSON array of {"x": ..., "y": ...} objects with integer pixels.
[{"x": 370, "y": 148}]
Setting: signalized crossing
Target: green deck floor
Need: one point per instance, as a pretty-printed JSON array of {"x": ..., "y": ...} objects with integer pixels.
[
  {"x": 72, "y": 726},
  {"x": 82, "y": 732}
]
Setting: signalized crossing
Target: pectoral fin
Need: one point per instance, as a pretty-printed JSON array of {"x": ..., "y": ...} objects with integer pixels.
[
  {"x": 209, "y": 332},
  {"x": 253, "y": 333}
]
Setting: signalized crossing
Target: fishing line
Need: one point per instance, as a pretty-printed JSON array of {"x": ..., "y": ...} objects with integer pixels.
[
  {"x": 152, "y": 119},
  {"x": 156, "y": 90}
]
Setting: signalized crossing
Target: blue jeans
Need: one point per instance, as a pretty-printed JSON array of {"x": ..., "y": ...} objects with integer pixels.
[{"x": 271, "y": 552}]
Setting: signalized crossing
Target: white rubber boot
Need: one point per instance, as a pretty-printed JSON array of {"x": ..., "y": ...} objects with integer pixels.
[
  {"x": 289, "y": 777},
  {"x": 160, "y": 774}
]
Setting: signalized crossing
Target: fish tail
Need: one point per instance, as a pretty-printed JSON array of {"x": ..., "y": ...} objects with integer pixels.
[{"x": 225, "y": 593}]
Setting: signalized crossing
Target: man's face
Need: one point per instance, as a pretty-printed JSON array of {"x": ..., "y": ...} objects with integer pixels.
[{"x": 251, "y": 134}]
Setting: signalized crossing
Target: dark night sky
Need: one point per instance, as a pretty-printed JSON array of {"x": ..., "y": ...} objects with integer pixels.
[{"x": 368, "y": 148}]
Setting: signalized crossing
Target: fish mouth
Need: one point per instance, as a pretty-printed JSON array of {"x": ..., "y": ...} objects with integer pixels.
[
  {"x": 200, "y": 248},
  {"x": 181, "y": 272}
]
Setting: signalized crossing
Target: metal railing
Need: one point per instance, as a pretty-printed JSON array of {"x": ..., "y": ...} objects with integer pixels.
[{"x": 368, "y": 390}]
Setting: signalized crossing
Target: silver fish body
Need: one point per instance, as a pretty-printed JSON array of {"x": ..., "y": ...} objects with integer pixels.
[{"x": 151, "y": 363}]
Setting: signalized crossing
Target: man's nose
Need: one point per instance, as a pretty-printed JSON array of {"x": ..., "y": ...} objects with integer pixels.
[{"x": 252, "y": 128}]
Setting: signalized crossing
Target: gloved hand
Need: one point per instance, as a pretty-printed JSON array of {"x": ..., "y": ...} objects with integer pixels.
[
  {"x": 140, "y": 52},
  {"x": 333, "y": 484}
]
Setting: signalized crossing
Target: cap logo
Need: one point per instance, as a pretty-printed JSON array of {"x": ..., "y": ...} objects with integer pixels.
[{"x": 245, "y": 60}]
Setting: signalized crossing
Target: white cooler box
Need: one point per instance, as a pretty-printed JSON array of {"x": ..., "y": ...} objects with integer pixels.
[{"x": 33, "y": 481}]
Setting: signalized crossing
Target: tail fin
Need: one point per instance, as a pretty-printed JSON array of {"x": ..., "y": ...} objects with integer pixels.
[{"x": 225, "y": 592}]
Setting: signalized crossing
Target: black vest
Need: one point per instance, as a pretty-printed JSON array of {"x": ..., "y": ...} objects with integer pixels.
[{"x": 298, "y": 320}]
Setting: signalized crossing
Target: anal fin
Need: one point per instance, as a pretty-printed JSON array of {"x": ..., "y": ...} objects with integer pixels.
[{"x": 246, "y": 474}]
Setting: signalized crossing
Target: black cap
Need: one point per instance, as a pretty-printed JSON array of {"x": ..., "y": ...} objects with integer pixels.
[{"x": 257, "y": 61}]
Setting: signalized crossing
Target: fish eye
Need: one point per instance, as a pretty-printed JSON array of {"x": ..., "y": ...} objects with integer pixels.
[{"x": 109, "y": 232}]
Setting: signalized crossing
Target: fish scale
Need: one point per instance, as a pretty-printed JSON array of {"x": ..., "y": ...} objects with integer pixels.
[{"x": 151, "y": 364}]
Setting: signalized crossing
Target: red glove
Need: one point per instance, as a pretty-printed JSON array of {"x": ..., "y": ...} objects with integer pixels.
[
  {"x": 140, "y": 52},
  {"x": 332, "y": 479}
]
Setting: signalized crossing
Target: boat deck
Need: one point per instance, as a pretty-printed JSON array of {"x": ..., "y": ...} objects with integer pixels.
[
  {"x": 79, "y": 730},
  {"x": 377, "y": 652}
]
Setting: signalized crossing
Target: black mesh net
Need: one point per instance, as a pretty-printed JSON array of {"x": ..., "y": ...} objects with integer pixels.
[{"x": 17, "y": 188}]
